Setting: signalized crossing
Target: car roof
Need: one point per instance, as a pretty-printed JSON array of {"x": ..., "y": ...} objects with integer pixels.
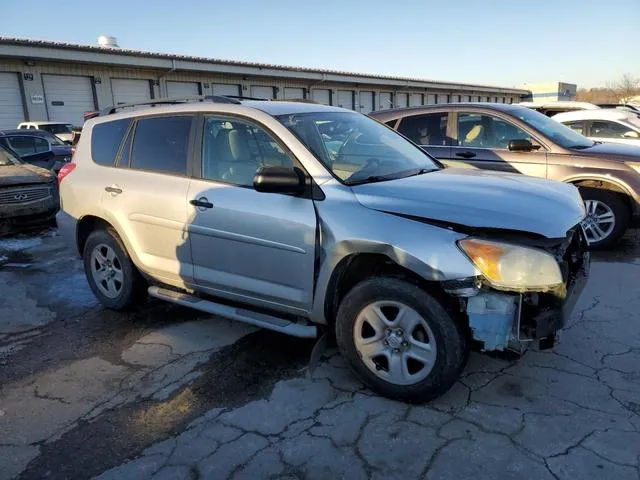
[
  {"x": 20, "y": 131},
  {"x": 561, "y": 104},
  {"x": 600, "y": 114},
  {"x": 410, "y": 111},
  {"x": 45, "y": 123},
  {"x": 270, "y": 107}
]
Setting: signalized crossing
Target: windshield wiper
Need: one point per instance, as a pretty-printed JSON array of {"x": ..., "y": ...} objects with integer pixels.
[{"x": 390, "y": 176}]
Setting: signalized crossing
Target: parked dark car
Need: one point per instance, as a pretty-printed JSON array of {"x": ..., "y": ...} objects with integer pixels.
[
  {"x": 29, "y": 195},
  {"x": 28, "y": 142},
  {"x": 516, "y": 139}
]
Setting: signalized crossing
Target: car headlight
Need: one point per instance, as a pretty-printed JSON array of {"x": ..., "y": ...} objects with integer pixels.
[
  {"x": 512, "y": 267},
  {"x": 635, "y": 166}
]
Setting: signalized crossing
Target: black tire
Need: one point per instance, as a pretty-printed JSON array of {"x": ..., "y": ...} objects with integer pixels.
[
  {"x": 620, "y": 211},
  {"x": 132, "y": 286},
  {"x": 450, "y": 338}
]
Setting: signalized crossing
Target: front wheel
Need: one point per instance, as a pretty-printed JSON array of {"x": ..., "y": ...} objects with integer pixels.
[
  {"x": 400, "y": 339},
  {"x": 607, "y": 217}
]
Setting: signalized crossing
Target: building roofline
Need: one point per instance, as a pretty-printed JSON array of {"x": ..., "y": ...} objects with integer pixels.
[{"x": 62, "y": 51}]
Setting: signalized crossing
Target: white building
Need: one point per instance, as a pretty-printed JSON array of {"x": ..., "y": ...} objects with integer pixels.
[
  {"x": 550, "y": 92},
  {"x": 42, "y": 80}
]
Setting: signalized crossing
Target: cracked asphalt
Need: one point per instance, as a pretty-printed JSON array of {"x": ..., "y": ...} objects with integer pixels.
[{"x": 164, "y": 392}]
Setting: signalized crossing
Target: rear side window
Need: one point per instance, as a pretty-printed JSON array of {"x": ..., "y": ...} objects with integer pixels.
[
  {"x": 106, "y": 139},
  {"x": 428, "y": 129},
  {"x": 160, "y": 144}
]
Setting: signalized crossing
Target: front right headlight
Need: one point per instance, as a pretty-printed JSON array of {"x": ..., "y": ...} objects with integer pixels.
[{"x": 512, "y": 267}]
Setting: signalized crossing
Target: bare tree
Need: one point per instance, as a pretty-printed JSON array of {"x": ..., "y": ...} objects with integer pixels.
[{"x": 626, "y": 87}]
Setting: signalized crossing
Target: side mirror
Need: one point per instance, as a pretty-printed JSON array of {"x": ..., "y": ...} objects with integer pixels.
[
  {"x": 280, "y": 180},
  {"x": 520, "y": 145},
  {"x": 631, "y": 134}
]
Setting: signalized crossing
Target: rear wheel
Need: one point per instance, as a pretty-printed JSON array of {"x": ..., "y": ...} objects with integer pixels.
[
  {"x": 112, "y": 276},
  {"x": 400, "y": 340},
  {"x": 607, "y": 217}
]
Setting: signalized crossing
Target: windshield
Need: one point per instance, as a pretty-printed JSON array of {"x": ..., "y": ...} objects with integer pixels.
[
  {"x": 57, "y": 128},
  {"x": 7, "y": 158},
  {"x": 356, "y": 148},
  {"x": 553, "y": 129}
]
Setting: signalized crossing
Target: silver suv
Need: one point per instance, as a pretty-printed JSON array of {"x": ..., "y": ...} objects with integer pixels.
[{"x": 304, "y": 218}]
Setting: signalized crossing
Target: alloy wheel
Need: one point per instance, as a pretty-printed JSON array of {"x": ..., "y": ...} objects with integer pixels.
[
  {"x": 106, "y": 270},
  {"x": 599, "y": 222}
]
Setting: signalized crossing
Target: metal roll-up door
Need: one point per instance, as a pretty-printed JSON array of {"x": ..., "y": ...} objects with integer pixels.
[
  {"x": 443, "y": 98},
  {"x": 291, "y": 93},
  {"x": 182, "y": 89},
  {"x": 385, "y": 100},
  {"x": 345, "y": 99},
  {"x": 416, "y": 99},
  {"x": 402, "y": 100},
  {"x": 366, "y": 102},
  {"x": 11, "y": 106},
  {"x": 466, "y": 98},
  {"x": 68, "y": 97},
  {"x": 431, "y": 98},
  {"x": 321, "y": 96},
  {"x": 126, "y": 90},
  {"x": 225, "y": 89},
  {"x": 258, "y": 91}
]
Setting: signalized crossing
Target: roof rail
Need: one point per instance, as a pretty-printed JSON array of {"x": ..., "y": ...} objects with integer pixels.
[{"x": 169, "y": 101}]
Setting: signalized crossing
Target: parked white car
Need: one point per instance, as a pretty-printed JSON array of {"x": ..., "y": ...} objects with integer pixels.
[
  {"x": 605, "y": 125},
  {"x": 62, "y": 130}
]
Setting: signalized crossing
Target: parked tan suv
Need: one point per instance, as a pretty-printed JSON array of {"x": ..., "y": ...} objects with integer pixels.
[{"x": 516, "y": 139}]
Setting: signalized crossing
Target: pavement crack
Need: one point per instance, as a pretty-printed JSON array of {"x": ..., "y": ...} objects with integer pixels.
[{"x": 43, "y": 396}]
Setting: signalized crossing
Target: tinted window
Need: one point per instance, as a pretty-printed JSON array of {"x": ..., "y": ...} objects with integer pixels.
[
  {"x": 233, "y": 151},
  {"x": 426, "y": 129},
  {"x": 160, "y": 144},
  {"x": 106, "y": 139},
  {"x": 484, "y": 131},
  {"x": 57, "y": 128},
  {"x": 602, "y": 129},
  {"x": 576, "y": 127},
  {"x": 28, "y": 145}
]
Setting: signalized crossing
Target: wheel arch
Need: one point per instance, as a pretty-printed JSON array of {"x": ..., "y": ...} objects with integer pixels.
[{"x": 609, "y": 185}]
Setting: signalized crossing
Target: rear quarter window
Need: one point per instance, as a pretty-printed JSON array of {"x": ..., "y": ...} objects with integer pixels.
[
  {"x": 160, "y": 144},
  {"x": 106, "y": 139}
]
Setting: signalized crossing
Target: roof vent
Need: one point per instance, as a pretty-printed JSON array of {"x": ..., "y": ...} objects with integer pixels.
[{"x": 105, "y": 41}]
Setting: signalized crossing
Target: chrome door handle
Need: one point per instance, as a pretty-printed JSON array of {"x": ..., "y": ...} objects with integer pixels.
[{"x": 113, "y": 190}]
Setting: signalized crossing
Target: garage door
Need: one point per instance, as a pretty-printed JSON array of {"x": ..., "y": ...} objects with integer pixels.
[
  {"x": 366, "y": 102},
  {"x": 443, "y": 98},
  {"x": 321, "y": 96},
  {"x": 293, "y": 93},
  {"x": 385, "y": 100},
  {"x": 431, "y": 99},
  {"x": 130, "y": 91},
  {"x": 258, "y": 91},
  {"x": 68, "y": 97},
  {"x": 415, "y": 99},
  {"x": 11, "y": 108},
  {"x": 402, "y": 100},
  {"x": 225, "y": 89},
  {"x": 345, "y": 99},
  {"x": 183, "y": 89}
]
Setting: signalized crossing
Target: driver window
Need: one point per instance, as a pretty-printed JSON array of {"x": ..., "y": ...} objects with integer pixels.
[
  {"x": 604, "y": 129},
  {"x": 234, "y": 150},
  {"x": 485, "y": 131}
]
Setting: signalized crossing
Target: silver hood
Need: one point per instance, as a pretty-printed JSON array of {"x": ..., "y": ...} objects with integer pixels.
[{"x": 480, "y": 199}]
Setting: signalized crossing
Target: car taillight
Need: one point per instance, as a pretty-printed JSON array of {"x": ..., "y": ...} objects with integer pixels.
[
  {"x": 66, "y": 169},
  {"x": 73, "y": 151}
]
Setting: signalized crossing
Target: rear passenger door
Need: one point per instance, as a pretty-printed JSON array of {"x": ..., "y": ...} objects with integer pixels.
[
  {"x": 145, "y": 192},
  {"x": 430, "y": 131},
  {"x": 482, "y": 141}
]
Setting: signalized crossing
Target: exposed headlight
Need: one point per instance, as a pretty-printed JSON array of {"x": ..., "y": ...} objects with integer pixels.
[
  {"x": 635, "y": 166},
  {"x": 511, "y": 267}
]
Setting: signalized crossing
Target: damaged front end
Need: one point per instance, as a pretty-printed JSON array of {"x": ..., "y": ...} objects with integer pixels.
[{"x": 501, "y": 318}]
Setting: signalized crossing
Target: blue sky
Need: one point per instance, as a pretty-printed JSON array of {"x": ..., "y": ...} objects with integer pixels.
[{"x": 499, "y": 42}]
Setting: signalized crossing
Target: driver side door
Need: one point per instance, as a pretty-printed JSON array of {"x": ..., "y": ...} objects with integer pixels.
[{"x": 482, "y": 141}]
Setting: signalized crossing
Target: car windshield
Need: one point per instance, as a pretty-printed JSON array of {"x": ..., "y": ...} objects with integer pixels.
[
  {"x": 356, "y": 148},
  {"x": 56, "y": 128},
  {"x": 553, "y": 129},
  {"x": 7, "y": 158}
]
